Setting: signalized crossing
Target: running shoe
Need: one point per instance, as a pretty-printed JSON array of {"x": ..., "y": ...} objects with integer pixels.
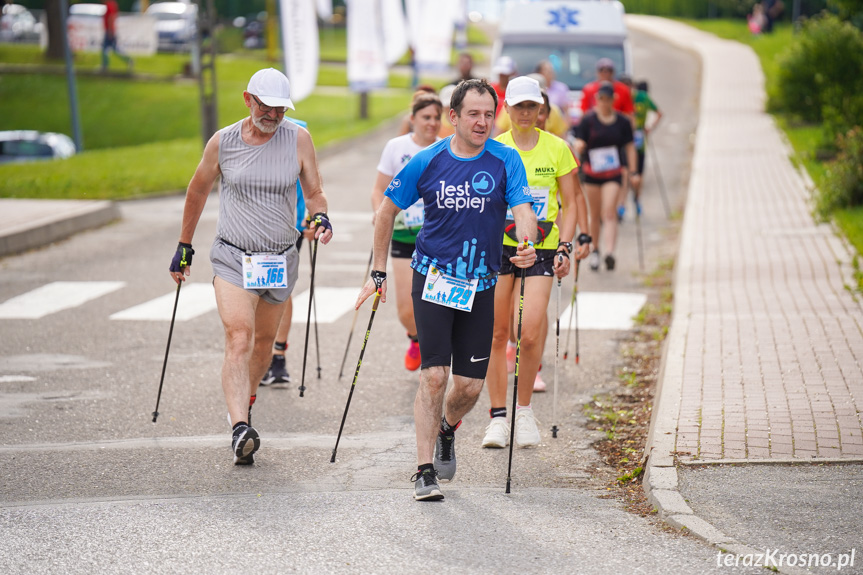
[
  {"x": 444, "y": 455},
  {"x": 245, "y": 443},
  {"x": 526, "y": 431},
  {"x": 497, "y": 433},
  {"x": 412, "y": 357},
  {"x": 538, "y": 383},
  {"x": 278, "y": 372},
  {"x": 426, "y": 487},
  {"x": 609, "y": 262},
  {"x": 621, "y": 211},
  {"x": 510, "y": 357},
  {"x": 593, "y": 260}
]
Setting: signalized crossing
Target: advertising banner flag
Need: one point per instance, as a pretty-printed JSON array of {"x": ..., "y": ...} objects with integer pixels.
[
  {"x": 432, "y": 23},
  {"x": 300, "y": 46},
  {"x": 395, "y": 30},
  {"x": 367, "y": 66}
]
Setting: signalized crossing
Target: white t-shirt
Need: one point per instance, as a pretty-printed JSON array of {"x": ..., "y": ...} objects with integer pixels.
[{"x": 396, "y": 154}]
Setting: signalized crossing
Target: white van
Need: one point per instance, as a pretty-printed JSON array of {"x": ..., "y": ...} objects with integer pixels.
[{"x": 571, "y": 34}]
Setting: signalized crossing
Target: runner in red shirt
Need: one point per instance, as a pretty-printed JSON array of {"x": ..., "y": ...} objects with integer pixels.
[{"x": 622, "y": 95}]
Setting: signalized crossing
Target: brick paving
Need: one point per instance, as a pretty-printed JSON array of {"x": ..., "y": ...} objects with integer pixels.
[{"x": 765, "y": 352}]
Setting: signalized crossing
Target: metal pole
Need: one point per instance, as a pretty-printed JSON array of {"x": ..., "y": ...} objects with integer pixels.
[{"x": 70, "y": 81}]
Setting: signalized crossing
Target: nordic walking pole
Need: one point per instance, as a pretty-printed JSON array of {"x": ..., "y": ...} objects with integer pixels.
[
  {"x": 354, "y": 322},
  {"x": 315, "y": 308},
  {"x": 571, "y": 310},
  {"x": 357, "y": 372},
  {"x": 554, "y": 428},
  {"x": 515, "y": 380},
  {"x": 575, "y": 299},
  {"x": 662, "y": 191},
  {"x": 168, "y": 347},
  {"x": 302, "y": 387},
  {"x": 638, "y": 236}
]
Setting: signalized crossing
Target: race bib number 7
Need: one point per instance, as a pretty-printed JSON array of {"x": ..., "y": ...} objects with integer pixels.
[
  {"x": 265, "y": 271},
  {"x": 449, "y": 291}
]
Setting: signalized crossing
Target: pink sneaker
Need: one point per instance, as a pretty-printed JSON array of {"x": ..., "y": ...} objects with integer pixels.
[
  {"x": 510, "y": 357},
  {"x": 412, "y": 357},
  {"x": 538, "y": 383}
]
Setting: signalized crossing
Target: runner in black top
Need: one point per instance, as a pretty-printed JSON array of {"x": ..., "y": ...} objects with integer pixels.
[{"x": 600, "y": 137}]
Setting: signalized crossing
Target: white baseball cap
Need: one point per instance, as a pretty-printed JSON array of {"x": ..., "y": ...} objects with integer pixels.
[
  {"x": 505, "y": 65},
  {"x": 523, "y": 89},
  {"x": 272, "y": 88}
]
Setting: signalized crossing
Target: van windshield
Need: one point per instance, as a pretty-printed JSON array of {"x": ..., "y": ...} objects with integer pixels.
[{"x": 575, "y": 65}]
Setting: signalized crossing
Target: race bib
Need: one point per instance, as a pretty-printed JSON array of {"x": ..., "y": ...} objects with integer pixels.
[
  {"x": 540, "y": 203},
  {"x": 265, "y": 271},
  {"x": 415, "y": 214},
  {"x": 604, "y": 159},
  {"x": 638, "y": 137},
  {"x": 449, "y": 291}
]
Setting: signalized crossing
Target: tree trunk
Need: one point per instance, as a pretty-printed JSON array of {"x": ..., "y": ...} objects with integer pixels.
[{"x": 55, "y": 31}]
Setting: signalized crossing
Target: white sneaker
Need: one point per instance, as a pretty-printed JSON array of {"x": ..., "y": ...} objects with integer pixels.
[
  {"x": 497, "y": 433},
  {"x": 526, "y": 432},
  {"x": 593, "y": 260}
]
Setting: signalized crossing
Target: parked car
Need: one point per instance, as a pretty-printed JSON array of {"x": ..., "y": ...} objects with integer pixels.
[
  {"x": 176, "y": 24},
  {"x": 17, "y": 24},
  {"x": 88, "y": 10},
  {"x": 26, "y": 145}
]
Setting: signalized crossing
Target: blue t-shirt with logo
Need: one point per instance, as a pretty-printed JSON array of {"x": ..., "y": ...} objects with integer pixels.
[{"x": 465, "y": 207}]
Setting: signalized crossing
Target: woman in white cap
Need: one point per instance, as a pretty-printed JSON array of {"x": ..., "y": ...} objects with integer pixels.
[
  {"x": 550, "y": 169},
  {"x": 425, "y": 118}
]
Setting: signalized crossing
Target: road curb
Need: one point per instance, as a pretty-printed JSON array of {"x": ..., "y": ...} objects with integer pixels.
[{"x": 48, "y": 221}]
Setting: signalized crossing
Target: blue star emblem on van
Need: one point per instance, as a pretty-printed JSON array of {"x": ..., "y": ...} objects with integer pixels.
[{"x": 563, "y": 17}]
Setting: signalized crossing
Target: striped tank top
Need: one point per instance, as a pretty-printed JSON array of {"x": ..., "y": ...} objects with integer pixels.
[{"x": 258, "y": 195}]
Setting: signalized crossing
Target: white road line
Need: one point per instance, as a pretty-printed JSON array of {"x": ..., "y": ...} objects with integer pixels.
[
  {"x": 195, "y": 299},
  {"x": 332, "y": 303},
  {"x": 15, "y": 378},
  {"x": 54, "y": 297},
  {"x": 603, "y": 310}
]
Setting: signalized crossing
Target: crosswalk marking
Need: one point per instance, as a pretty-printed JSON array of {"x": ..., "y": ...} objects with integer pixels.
[
  {"x": 603, "y": 310},
  {"x": 195, "y": 299},
  {"x": 53, "y": 297},
  {"x": 332, "y": 303}
]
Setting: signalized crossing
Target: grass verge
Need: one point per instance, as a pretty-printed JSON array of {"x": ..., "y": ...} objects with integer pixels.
[
  {"x": 624, "y": 412},
  {"x": 142, "y": 136},
  {"x": 805, "y": 139}
]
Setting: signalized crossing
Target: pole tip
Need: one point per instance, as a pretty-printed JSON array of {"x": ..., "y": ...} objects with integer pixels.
[
  {"x": 333, "y": 458},
  {"x": 155, "y": 415},
  {"x": 554, "y": 431},
  {"x": 565, "y": 355},
  {"x": 507, "y": 486},
  {"x": 576, "y": 359},
  {"x": 302, "y": 389}
]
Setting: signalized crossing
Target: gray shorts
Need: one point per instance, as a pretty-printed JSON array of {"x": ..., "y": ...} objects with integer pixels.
[{"x": 228, "y": 264}]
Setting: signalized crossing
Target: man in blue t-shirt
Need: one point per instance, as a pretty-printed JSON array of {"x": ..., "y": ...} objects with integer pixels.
[{"x": 466, "y": 182}]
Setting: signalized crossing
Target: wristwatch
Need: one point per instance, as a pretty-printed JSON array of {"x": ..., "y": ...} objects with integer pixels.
[
  {"x": 567, "y": 245},
  {"x": 584, "y": 239}
]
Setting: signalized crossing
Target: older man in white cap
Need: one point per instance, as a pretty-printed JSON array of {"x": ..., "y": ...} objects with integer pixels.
[{"x": 258, "y": 161}]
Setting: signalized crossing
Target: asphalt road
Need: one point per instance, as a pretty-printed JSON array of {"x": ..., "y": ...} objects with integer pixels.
[{"x": 89, "y": 484}]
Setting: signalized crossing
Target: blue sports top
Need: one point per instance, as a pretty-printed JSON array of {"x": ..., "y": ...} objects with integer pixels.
[{"x": 465, "y": 207}]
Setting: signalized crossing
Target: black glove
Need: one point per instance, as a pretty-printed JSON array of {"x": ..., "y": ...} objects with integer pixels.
[
  {"x": 584, "y": 239},
  {"x": 321, "y": 219},
  {"x": 183, "y": 257}
]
